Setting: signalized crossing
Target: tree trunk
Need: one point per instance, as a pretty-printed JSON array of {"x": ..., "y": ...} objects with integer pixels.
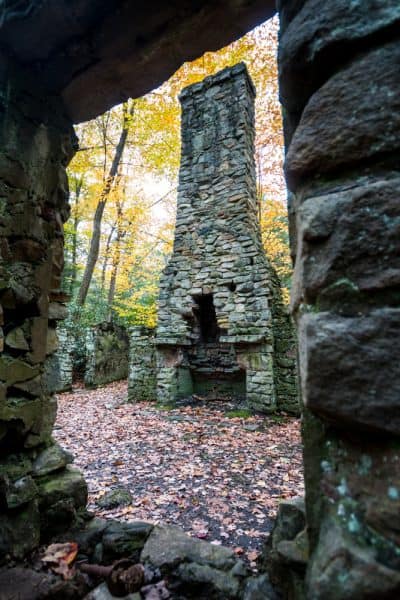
[
  {"x": 116, "y": 261},
  {"x": 95, "y": 241},
  {"x": 106, "y": 257},
  {"x": 78, "y": 188}
]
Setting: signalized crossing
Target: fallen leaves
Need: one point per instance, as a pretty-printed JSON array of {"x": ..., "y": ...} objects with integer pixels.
[
  {"x": 60, "y": 558},
  {"x": 219, "y": 478}
]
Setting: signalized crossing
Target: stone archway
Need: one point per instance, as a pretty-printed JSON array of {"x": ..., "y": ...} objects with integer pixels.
[{"x": 339, "y": 82}]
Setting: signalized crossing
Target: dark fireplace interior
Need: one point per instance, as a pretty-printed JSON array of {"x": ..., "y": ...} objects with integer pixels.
[
  {"x": 206, "y": 318},
  {"x": 213, "y": 364}
]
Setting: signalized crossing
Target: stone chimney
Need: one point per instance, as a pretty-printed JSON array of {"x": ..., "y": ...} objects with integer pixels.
[{"x": 219, "y": 296}]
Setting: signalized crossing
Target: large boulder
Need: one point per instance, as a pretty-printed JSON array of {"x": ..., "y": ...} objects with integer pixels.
[{"x": 195, "y": 568}]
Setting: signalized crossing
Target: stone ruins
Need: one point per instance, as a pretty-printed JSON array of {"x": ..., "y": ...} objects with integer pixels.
[
  {"x": 222, "y": 328},
  {"x": 339, "y": 80}
]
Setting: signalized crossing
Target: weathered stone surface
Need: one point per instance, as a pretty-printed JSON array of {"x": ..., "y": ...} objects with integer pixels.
[
  {"x": 115, "y": 498},
  {"x": 285, "y": 553},
  {"x": 202, "y": 581},
  {"x": 107, "y": 351},
  {"x": 22, "y": 583},
  {"x": 290, "y": 521},
  {"x": 59, "y": 366},
  {"x": 20, "y": 530},
  {"x": 348, "y": 120},
  {"x": 21, "y": 492},
  {"x": 167, "y": 546},
  {"x": 142, "y": 379},
  {"x": 89, "y": 536},
  {"x": 259, "y": 588},
  {"x": 222, "y": 326},
  {"x": 125, "y": 539},
  {"x": 51, "y": 341},
  {"x": 27, "y": 584},
  {"x": 342, "y": 569},
  {"x": 195, "y": 568},
  {"x": 51, "y": 459},
  {"x": 349, "y": 371},
  {"x": 101, "y": 592},
  {"x": 68, "y": 484},
  {"x": 13, "y": 370},
  {"x": 320, "y": 35},
  {"x": 22, "y": 416},
  {"x": 16, "y": 339},
  {"x": 294, "y": 552},
  {"x": 102, "y": 53},
  {"x": 348, "y": 239},
  {"x": 15, "y": 466},
  {"x": 57, "y": 311}
]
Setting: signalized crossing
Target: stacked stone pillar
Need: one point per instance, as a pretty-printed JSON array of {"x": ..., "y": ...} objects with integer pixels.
[
  {"x": 142, "y": 364},
  {"x": 219, "y": 307},
  {"x": 339, "y": 85},
  {"x": 38, "y": 490}
]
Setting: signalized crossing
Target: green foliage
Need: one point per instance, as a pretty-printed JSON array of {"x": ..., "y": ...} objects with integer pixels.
[{"x": 243, "y": 413}]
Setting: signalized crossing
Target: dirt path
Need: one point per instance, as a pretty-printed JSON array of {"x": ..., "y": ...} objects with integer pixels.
[{"x": 217, "y": 476}]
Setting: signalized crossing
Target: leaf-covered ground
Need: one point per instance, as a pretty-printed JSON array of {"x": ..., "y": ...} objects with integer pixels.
[{"x": 218, "y": 477}]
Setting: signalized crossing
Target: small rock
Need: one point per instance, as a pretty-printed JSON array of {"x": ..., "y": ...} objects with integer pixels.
[
  {"x": 294, "y": 551},
  {"x": 16, "y": 339},
  {"x": 259, "y": 588},
  {"x": 203, "y": 581},
  {"x": 21, "y": 491},
  {"x": 122, "y": 540},
  {"x": 115, "y": 498},
  {"x": 157, "y": 591},
  {"x": 52, "y": 459},
  {"x": 102, "y": 593},
  {"x": 68, "y": 484}
]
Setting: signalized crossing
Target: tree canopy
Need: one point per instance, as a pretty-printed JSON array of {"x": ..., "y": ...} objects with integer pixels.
[{"x": 123, "y": 183}]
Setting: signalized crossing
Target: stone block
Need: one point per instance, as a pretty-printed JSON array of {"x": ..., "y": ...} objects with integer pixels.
[
  {"x": 350, "y": 237},
  {"x": 350, "y": 373},
  {"x": 314, "y": 34},
  {"x": 259, "y": 588},
  {"x": 167, "y": 546},
  {"x": 202, "y": 581},
  {"x": 21, "y": 416},
  {"x": 342, "y": 567},
  {"x": 348, "y": 120},
  {"x": 20, "y": 530},
  {"x": 21, "y": 492},
  {"x": 15, "y": 370},
  {"x": 125, "y": 539},
  {"x": 16, "y": 339},
  {"x": 67, "y": 484},
  {"x": 50, "y": 460}
]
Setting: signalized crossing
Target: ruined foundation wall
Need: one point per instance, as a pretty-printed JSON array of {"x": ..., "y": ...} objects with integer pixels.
[
  {"x": 107, "y": 354},
  {"x": 339, "y": 83},
  {"x": 37, "y": 488},
  {"x": 142, "y": 379}
]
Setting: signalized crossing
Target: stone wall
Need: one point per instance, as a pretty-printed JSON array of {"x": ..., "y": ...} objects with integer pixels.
[
  {"x": 37, "y": 488},
  {"x": 219, "y": 296},
  {"x": 339, "y": 81},
  {"x": 142, "y": 379},
  {"x": 59, "y": 365},
  {"x": 107, "y": 354}
]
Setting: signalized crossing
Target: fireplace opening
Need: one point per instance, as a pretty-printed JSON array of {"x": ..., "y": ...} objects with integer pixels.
[{"x": 206, "y": 318}]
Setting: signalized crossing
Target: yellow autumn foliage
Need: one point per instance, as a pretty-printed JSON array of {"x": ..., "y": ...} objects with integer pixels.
[{"x": 138, "y": 222}]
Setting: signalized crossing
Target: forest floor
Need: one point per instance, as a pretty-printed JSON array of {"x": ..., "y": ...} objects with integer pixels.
[{"x": 218, "y": 476}]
